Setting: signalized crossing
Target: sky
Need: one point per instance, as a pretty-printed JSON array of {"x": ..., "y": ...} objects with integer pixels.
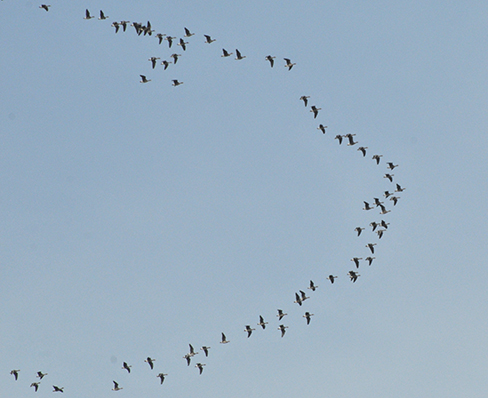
[{"x": 137, "y": 219}]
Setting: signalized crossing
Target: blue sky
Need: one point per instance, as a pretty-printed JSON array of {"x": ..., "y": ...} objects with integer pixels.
[{"x": 139, "y": 218}]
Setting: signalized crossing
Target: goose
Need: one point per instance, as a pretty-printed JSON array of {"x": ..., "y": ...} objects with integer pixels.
[
  {"x": 283, "y": 329},
  {"x": 124, "y": 25},
  {"x": 358, "y": 230},
  {"x": 160, "y": 36},
  {"x": 153, "y": 61},
  {"x": 170, "y": 40},
  {"x": 147, "y": 29},
  {"x": 137, "y": 26},
  {"x": 40, "y": 375},
  {"x": 322, "y": 128},
  {"x": 304, "y": 296},
  {"x": 165, "y": 63},
  {"x": 298, "y": 300},
  {"x": 389, "y": 176},
  {"x": 188, "y": 33},
  {"x": 373, "y": 224},
  {"x": 208, "y": 39},
  {"x": 116, "y": 386},
  {"x": 175, "y": 57},
  {"x": 162, "y": 376},
  {"x": 377, "y": 158},
  {"x": 205, "y": 350},
  {"x": 351, "y": 140},
  {"x": 371, "y": 247},
  {"x": 354, "y": 276},
  {"x": 176, "y": 82},
  {"x": 369, "y": 260},
  {"x": 102, "y": 16},
  {"x": 58, "y": 389},
  {"x": 395, "y": 199},
  {"x": 249, "y": 330},
  {"x": 363, "y": 150},
  {"x": 391, "y": 166},
  {"x": 15, "y": 372},
  {"x": 261, "y": 322},
  {"x": 339, "y": 138},
  {"x": 192, "y": 351},
  {"x": 367, "y": 206},
  {"x": 183, "y": 44},
  {"x": 399, "y": 188},
  {"x": 387, "y": 194},
  {"x": 87, "y": 14},
  {"x": 305, "y": 98},
  {"x": 200, "y": 366},
  {"x": 239, "y": 56},
  {"x": 383, "y": 210},
  {"x": 289, "y": 64},
  {"x": 224, "y": 340},
  {"x": 270, "y": 59},
  {"x": 331, "y": 278},
  {"x": 150, "y": 362},
  {"x": 188, "y": 359},
  {"x": 35, "y": 385},
  {"x": 281, "y": 314},
  {"x": 380, "y": 233},
  {"x": 312, "y": 286},
  {"x": 144, "y": 79},
  {"x": 309, "y": 316},
  {"x": 384, "y": 224},
  {"x": 226, "y": 53},
  {"x": 315, "y": 111},
  {"x": 116, "y": 26},
  {"x": 356, "y": 261},
  {"x": 45, "y": 7},
  {"x": 126, "y": 366},
  {"x": 377, "y": 202}
]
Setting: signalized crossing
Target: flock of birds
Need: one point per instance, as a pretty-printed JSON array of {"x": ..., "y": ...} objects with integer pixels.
[{"x": 379, "y": 227}]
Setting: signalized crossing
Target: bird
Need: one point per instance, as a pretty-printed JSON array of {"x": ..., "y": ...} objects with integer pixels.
[
  {"x": 40, "y": 375},
  {"x": 369, "y": 260},
  {"x": 150, "y": 362},
  {"x": 377, "y": 202},
  {"x": 389, "y": 176},
  {"x": 391, "y": 166},
  {"x": 322, "y": 128},
  {"x": 161, "y": 376},
  {"x": 315, "y": 111},
  {"x": 176, "y": 82},
  {"x": 288, "y": 64},
  {"x": 373, "y": 224},
  {"x": 367, "y": 206},
  {"x": 371, "y": 246},
  {"x": 354, "y": 276},
  {"x": 377, "y": 158},
  {"x": 298, "y": 300},
  {"x": 188, "y": 359},
  {"x": 58, "y": 389},
  {"x": 116, "y": 386},
  {"x": 270, "y": 59},
  {"x": 124, "y": 25},
  {"x": 305, "y": 98},
  {"x": 261, "y": 322},
  {"x": 249, "y": 330},
  {"x": 116, "y": 26},
  {"x": 331, "y": 278},
  {"x": 160, "y": 36},
  {"x": 312, "y": 286},
  {"x": 281, "y": 314},
  {"x": 87, "y": 14},
  {"x": 170, "y": 40},
  {"x": 399, "y": 188},
  {"x": 188, "y": 33},
  {"x": 395, "y": 200},
  {"x": 239, "y": 56},
  {"x": 383, "y": 210},
  {"x": 183, "y": 44},
  {"x": 384, "y": 224},
  {"x": 165, "y": 63},
  {"x": 387, "y": 194},
  {"x": 175, "y": 57},
  {"x": 363, "y": 150},
  {"x": 126, "y": 366},
  {"x": 153, "y": 61},
  {"x": 45, "y": 7},
  {"x": 358, "y": 230},
  {"x": 205, "y": 350},
  {"x": 144, "y": 79},
  {"x": 224, "y": 339},
  {"x": 102, "y": 16},
  {"x": 356, "y": 261},
  {"x": 380, "y": 233},
  {"x": 192, "y": 351},
  {"x": 137, "y": 26},
  {"x": 35, "y": 385},
  {"x": 208, "y": 39},
  {"x": 304, "y": 296},
  {"x": 308, "y": 315},
  {"x": 15, "y": 372},
  {"x": 282, "y": 328},
  {"x": 226, "y": 53},
  {"x": 351, "y": 140},
  {"x": 200, "y": 366},
  {"x": 339, "y": 138}
]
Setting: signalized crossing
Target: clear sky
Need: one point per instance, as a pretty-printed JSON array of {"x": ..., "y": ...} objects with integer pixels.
[{"x": 139, "y": 218}]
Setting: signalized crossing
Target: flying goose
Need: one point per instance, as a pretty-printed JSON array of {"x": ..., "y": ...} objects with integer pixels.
[
  {"x": 58, "y": 389},
  {"x": 153, "y": 61},
  {"x": 270, "y": 59},
  {"x": 358, "y": 230},
  {"x": 298, "y": 300},
  {"x": 261, "y": 322},
  {"x": 249, "y": 330},
  {"x": 380, "y": 233},
  {"x": 387, "y": 194},
  {"x": 183, "y": 44},
  {"x": 354, "y": 276},
  {"x": 192, "y": 351},
  {"x": 395, "y": 199},
  {"x": 175, "y": 57},
  {"x": 239, "y": 56},
  {"x": 200, "y": 366},
  {"x": 399, "y": 188},
  {"x": 116, "y": 26},
  {"x": 161, "y": 376},
  {"x": 389, "y": 176},
  {"x": 165, "y": 63},
  {"x": 137, "y": 26},
  {"x": 391, "y": 166},
  {"x": 384, "y": 224},
  {"x": 309, "y": 316},
  {"x": 367, "y": 206},
  {"x": 356, "y": 261},
  {"x": 339, "y": 138},
  {"x": 87, "y": 14},
  {"x": 150, "y": 362},
  {"x": 289, "y": 64},
  {"x": 373, "y": 224},
  {"x": 351, "y": 140},
  {"x": 205, "y": 350},
  {"x": 304, "y": 296},
  {"x": 383, "y": 210},
  {"x": 176, "y": 82},
  {"x": 312, "y": 286},
  {"x": 40, "y": 375},
  {"x": 188, "y": 359},
  {"x": 322, "y": 128},
  {"x": 126, "y": 366},
  {"x": 226, "y": 53},
  {"x": 371, "y": 247},
  {"x": 170, "y": 40},
  {"x": 331, "y": 278},
  {"x": 102, "y": 16},
  {"x": 144, "y": 79},
  {"x": 15, "y": 372},
  {"x": 281, "y": 314},
  {"x": 363, "y": 150},
  {"x": 116, "y": 386},
  {"x": 160, "y": 36},
  {"x": 369, "y": 260},
  {"x": 377, "y": 158},
  {"x": 188, "y": 33},
  {"x": 315, "y": 111},
  {"x": 305, "y": 98},
  {"x": 208, "y": 39},
  {"x": 224, "y": 340},
  {"x": 45, "y": 7},
  {"x": 124, "y": 25},
  {"x": 282, "y": 328},
  {"x": 35, "y": 385},
  {"x": 377, "y": 202}
]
